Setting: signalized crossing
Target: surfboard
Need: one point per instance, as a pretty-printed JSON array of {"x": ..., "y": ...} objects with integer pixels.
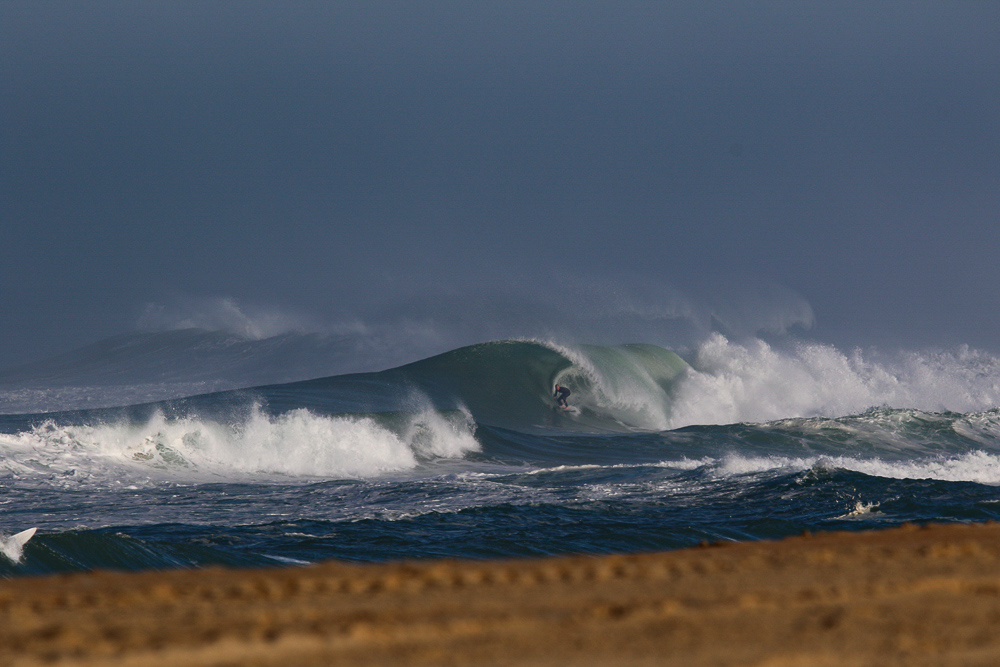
[
  {"x": 22, "y": 538},
  {"x": 12, "y": 546}
]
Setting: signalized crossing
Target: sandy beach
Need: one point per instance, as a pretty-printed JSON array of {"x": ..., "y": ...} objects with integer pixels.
[{"x": 906, "y": 596}]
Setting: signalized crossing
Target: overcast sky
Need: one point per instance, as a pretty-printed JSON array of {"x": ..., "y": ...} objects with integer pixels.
[{"x": 502, "y": 167}]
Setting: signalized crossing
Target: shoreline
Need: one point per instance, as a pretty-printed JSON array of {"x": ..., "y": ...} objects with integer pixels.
[{"x": 908, "y": 596}]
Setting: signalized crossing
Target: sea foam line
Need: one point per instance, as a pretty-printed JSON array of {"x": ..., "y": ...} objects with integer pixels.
[{"x": 976, "y": 466}]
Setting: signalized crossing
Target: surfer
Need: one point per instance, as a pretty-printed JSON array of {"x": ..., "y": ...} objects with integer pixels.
[{"x": 562, "y": 393}]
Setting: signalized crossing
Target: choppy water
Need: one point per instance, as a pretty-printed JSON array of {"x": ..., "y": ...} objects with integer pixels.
[{"x": 464, "y": 455}]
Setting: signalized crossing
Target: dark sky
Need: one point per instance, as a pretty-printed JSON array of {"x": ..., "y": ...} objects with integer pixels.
[{"x": 597, "y": 170}]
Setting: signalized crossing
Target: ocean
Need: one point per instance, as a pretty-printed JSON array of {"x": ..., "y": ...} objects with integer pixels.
[{"x": 465, "y": 455}]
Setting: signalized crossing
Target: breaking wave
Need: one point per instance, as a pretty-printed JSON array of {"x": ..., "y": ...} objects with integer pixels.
[
  {"x": 509, "y": 383},
  {"x": 753, "y": 382},
  {"x": 297, "y": 444}
]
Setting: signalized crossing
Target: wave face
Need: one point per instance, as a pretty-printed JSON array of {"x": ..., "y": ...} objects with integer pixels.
[
  {"x": 465, "y": 455},
  {"x": 511, "y": 383}
]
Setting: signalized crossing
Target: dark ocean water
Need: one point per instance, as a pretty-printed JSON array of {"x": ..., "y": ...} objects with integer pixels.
[{"x": 464, "y": 455}]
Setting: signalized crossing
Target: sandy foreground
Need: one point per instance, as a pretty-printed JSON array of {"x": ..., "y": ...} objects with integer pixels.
[{"x": 906, "y": 596}]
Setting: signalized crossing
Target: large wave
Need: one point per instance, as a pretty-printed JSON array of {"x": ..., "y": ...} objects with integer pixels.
[
  {"x": 640, "y": 386},
  {"x": 364, "y": 425},
  {"x": 509, "y": 383},
  {"x": 722, "y": 382}
]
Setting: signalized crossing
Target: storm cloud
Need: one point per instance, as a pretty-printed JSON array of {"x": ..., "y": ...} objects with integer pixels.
[{"x": 499, "y": 168}]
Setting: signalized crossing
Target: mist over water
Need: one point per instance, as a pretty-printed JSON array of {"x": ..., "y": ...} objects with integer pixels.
[{"x": 187, "y": 345}]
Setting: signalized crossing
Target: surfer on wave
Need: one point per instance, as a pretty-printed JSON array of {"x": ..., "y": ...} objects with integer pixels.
[{"x": 562, "y": 393}]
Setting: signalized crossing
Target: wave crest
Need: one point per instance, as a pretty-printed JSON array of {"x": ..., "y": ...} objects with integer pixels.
[
  {"x": 753, "y": 382},
  {"x": 298, "y": 443}
]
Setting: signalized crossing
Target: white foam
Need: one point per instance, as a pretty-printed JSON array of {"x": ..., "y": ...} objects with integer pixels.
[
  {"x": 753, "y": 382},
  {"x": 681, "y": 464},
  {"x": 296, "y": 444},
  {"x": 861, "y": 511},
  {"x": 977, "y": 466}
]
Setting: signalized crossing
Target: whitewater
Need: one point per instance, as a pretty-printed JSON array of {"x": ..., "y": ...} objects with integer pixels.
[{"x": 464, "y": 454}]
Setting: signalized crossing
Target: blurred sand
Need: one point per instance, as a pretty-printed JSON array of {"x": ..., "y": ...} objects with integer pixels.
[{"x": 907, "y": 596}]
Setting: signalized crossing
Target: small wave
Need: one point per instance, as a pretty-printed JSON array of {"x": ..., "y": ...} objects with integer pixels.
[{"x": 977, "y": 466}]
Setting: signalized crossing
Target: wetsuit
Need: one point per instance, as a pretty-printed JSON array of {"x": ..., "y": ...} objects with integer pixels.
[{"x": 561, "y": 394}]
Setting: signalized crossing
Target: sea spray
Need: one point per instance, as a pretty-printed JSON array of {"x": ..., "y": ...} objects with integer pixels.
[
  {"x": 645, "y": 387},
  {"x": 297, "y": 443},
  {"x": 754, "y": 382},
  {"x": 520, "y": 494}
]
